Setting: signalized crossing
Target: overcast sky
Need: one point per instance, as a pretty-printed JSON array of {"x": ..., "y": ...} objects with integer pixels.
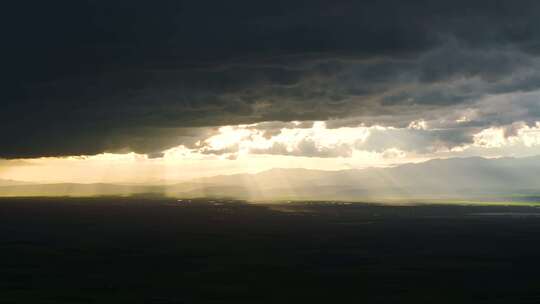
[{"x": 299, "y": 80}]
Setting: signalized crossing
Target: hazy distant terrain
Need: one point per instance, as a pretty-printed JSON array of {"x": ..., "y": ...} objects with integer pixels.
[
  {"x": 9, "y": 182},
  {"x": 449, "y": 178}
]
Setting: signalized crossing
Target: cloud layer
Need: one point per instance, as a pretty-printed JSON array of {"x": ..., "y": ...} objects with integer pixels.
[{"x": 88, "y": 77}]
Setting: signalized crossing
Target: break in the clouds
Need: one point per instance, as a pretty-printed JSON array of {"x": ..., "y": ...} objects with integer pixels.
[
  {"x": 262, "y": 146},
  {"x": 317, "y": 140},
  {"x": 86, "y": 77}
]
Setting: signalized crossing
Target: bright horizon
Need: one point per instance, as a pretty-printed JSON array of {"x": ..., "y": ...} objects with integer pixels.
[{"x": 263, "y": 146}]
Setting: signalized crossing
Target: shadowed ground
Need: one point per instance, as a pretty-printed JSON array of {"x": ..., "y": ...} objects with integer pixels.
[{"x": 129, "y": 250}]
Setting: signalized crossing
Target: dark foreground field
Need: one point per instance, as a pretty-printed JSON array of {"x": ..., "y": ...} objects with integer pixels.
[{"x": 164, "y": 251}]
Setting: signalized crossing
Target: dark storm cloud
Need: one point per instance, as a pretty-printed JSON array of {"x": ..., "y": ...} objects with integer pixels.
[{"x": 83, "y": 77}]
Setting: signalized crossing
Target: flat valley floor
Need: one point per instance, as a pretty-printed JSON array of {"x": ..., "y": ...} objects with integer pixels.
[{"x": 140, "y": 250}]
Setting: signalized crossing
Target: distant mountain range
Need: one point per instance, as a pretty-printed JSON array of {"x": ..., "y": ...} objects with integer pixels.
[{"x": 441, "y": 178}]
